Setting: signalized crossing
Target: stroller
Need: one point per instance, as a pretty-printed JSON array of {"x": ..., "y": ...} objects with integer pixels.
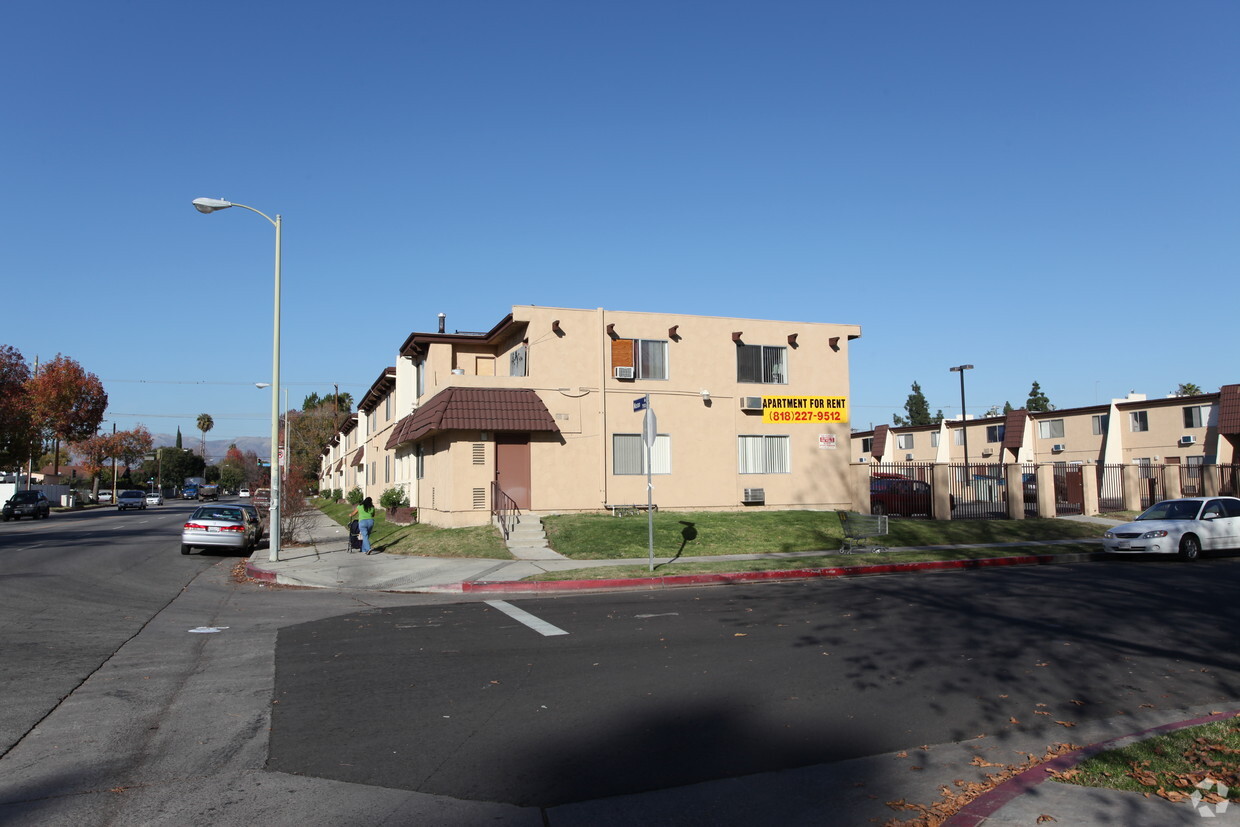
[{"x": 355, "y": 537}]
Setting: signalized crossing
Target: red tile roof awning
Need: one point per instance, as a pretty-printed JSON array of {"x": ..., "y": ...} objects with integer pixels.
[
  {"x": 475, "y": 409},
  {"x": 357, "y": 458},
  {"x": 1229, "y": 410}
]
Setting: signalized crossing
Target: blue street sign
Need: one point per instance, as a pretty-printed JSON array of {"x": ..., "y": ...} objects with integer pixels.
[{"x": 639, "y": 404}]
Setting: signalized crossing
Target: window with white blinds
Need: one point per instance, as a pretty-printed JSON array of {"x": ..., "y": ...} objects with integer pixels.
[
  {"x": 629, "y": 454},
  {"x": 763, "y": 455}
]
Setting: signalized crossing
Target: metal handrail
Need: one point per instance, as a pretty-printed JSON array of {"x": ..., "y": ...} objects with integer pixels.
[{"x": 504, "y": 510}]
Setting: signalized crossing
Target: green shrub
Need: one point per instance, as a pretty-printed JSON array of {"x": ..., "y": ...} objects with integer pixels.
[
  {"x": 394, "y": 498},
  {"x": 355, "y": 496},
  {"x": 337, "y": 495}
]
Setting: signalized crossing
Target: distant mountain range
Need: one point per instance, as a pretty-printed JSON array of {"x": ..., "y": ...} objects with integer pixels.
[{"x": 217, "y": 448}]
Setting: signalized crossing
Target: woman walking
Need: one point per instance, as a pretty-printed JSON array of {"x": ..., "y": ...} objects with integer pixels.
[{"x": 365, "y": 514}]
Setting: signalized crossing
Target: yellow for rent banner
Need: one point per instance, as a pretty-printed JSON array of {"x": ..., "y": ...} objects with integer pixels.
[{"x": 808, "y": 409}]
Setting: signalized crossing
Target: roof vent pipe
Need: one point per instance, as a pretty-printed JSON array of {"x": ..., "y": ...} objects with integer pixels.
[{"x": 442, "y": 319}]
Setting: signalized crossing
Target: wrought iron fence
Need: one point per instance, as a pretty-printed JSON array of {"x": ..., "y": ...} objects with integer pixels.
[
  {"x": 903, "y": 489},
  {"x": 1110, "y": 488},
  {"x": 978, "y": 491}
]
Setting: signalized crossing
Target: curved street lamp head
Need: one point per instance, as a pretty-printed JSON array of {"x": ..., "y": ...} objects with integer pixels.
[
  {"x": 209, "y": 205},
  {"x": 261, "y": 385}
]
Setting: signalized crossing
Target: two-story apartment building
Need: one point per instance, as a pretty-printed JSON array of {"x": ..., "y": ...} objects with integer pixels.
[
  {"x": 748, "y": 413},
  {"x": 1188, "y": 430}
]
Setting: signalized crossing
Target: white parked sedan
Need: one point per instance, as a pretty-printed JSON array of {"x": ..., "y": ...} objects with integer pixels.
[
  {"x": 154, "y": 498},
  {"x": 1184, "y": 527}
]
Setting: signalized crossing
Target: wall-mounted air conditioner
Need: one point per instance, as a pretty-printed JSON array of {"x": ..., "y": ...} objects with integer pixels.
[
  {"x": 908, "y": 457},
  {"x": 756, "y": 496},
  {"x": 1187, "y": 439},
  {"x": 863, "y": 459},
  {"x": 751, "y": 403},
  {"x": 624, "y": 373},
  {"x": 1058, "y": 446}
]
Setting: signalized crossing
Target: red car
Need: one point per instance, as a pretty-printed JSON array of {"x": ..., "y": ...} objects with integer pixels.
[{"x": 898, "y": 495}]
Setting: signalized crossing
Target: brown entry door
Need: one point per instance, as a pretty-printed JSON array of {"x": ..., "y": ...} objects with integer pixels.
[{"x": 512, "y": 467}]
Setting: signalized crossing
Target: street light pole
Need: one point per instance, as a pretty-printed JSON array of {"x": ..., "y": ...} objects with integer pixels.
[
  {"x": 210, "y": 205},
  {"x": 964, "y": 430}
]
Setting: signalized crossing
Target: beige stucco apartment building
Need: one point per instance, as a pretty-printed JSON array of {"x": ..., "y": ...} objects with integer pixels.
[
  {"x": 1187, "y": 430},
  {"x": 749, "y": 413}
]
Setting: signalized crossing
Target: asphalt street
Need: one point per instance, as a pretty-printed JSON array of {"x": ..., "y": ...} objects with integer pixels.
[
  {"x": 146, "y": 687},
  {"x": 655, "y": 690}
]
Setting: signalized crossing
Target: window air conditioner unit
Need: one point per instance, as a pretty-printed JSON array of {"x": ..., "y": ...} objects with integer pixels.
[
  {"x": 1187, "y": 439},
  {"x": 755, "y": 495},
  {"x": 908, "y": 457},
  {"x": 624, "y": 373},
  {"x": 862, "y": 459},
  {"x": 751, "y": 403},
  {"x": 1058, "y": 446}
]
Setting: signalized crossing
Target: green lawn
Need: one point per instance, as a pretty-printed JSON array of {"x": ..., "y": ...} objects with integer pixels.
[
  {"x": 603, "y": 537},
  {"x": 425, "y": 541},
  {"x": 1168, "y": 765}
]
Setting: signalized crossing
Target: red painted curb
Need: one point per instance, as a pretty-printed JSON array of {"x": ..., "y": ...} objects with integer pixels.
[
  {"x": 977, "y": 811},
  {"x": 673, "y": 580},
  {"x": 255, "y": 573}
]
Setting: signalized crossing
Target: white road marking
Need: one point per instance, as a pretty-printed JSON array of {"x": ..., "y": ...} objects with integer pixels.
[{"x": 522, "y": 616}]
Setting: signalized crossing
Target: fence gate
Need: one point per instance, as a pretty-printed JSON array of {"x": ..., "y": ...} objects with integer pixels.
[
  {"x": 978, "y": 491},
  {"x": 1069, "y": 490}
]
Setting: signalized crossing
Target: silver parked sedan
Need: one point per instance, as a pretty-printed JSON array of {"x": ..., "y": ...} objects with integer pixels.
[{"x": 220, "y": 526}]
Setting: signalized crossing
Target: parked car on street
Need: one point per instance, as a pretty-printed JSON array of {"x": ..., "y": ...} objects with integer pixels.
[
  {"x": 220, "y": 526},
  {"x": 32, "y": 504},
  {"x": 1185, "y": 527},
  {"x": 262, "y": 498},
  {"x": 898, "y": 495},
  {"x": 245, "y": 492},
  {"x": 130, "y": 499},
  {"x": 154, "y": 498},
  {"x": 259, "y": 515},
  {"x": 105, "y": 496}
]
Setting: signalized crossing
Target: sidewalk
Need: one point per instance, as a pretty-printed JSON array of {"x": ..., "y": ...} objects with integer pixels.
[{"x": 323, "y": 560}]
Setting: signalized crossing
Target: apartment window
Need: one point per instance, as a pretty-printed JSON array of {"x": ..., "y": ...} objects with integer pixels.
[
  {"x": 958, "y": 436},
  {"x": 628, "y": 453},
  {"x": 1146, "y": 465},
  {"x": 647, "y": 357},
  {"x": 387, "y": 470},
  {"x": 1099, "y": 422},
  {"x": 1139, "y": 421},
  {"x": 934, "y": 439},
  {"x": 419, "y": 461},
  {"x": 1050, "y": 429},
  {"x": 904, "y": 442},
  {"x": 387, "y": 408},
  {"x": 867, "y": 444},
  {"x": 1196, "y": 416},
  {"x": 759, "y": 363},
  {"x": 420, "y": 370},
  {"x": 763, "y": 455},
  {"x": 994, "y": 433},
  {"x": 518, "y": 362}
]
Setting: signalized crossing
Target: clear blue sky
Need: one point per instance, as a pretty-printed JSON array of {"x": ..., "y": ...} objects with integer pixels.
[{"x": 1047, "y": 190}]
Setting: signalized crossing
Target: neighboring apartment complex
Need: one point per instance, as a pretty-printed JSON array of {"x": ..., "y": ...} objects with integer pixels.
[
  {"x": 749, "y": 414},
  {"x": 1187, "y": 430}
]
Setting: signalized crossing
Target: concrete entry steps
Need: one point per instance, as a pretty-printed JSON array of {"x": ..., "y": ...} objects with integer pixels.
[{"x": 528, "y": 540}]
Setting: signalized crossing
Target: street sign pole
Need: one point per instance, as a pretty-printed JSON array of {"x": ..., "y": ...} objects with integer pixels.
[{"x": 650, "y": 431}]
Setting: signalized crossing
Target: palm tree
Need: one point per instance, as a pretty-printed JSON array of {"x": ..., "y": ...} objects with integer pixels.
[{"x": 205, "y": 423}]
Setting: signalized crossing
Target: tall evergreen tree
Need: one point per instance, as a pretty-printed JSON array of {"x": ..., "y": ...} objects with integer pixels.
[
  {"x": 918, "y": 410},
  {"x": 179, "y": 446},
  {"x": 1038, "y": 401}
]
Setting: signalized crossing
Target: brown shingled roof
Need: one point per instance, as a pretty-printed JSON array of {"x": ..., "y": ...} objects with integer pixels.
[
  {"x": 1014, "y": 425},
  {"x": 879, "y": 446},
  {"x": 475, "y": 409},
  {"x": 1229, "y": 410},
  {"x": 357, "y": 458}
]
